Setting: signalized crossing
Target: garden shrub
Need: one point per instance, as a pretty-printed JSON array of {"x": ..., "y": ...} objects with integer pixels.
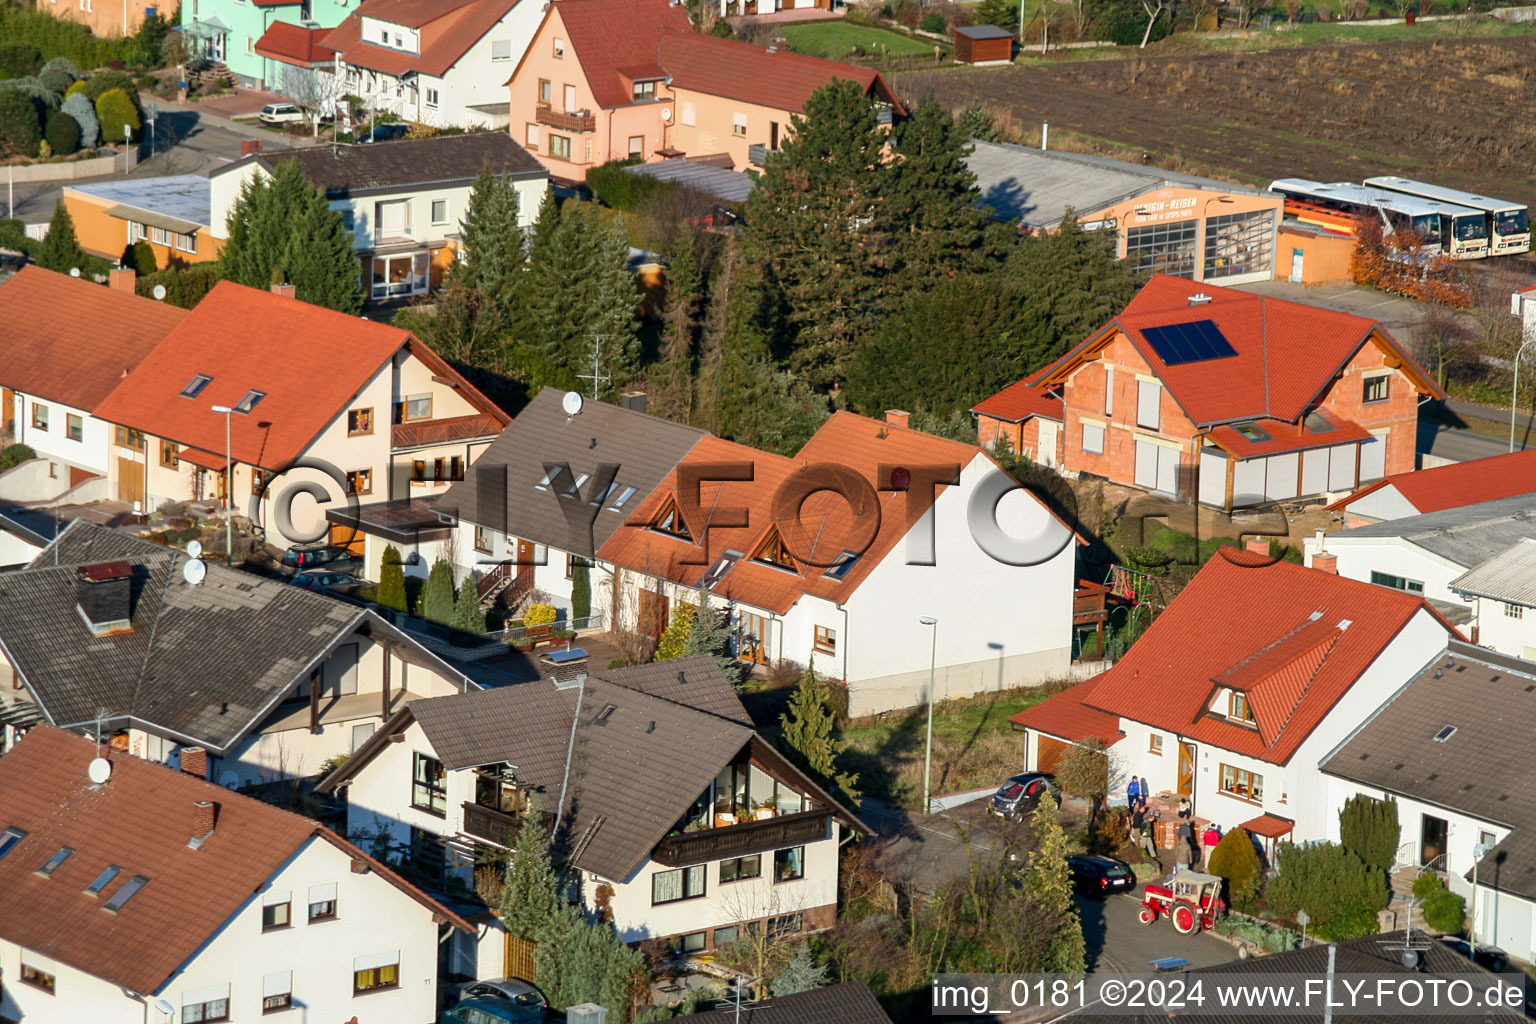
[
  {"x": 13, "y": 236},
  {"x": 116, "y": 112},
  {"x": 62, "y": 133},
  {"x": 1368, "y": 828},
  {"x": 1425, "y": 884},
  {"x": 1280, "y": 940},
  {"x": 621, "y": 190},
  {"x": 539, "y": 615},
  {"x": 17, "y": 59},
  {"x": 185, "y": 286},
  {"x": 21, "y": 123},
  {"x": 78, "y": 87},
  {"x": 80, "y": 107},
  {"x": 933, "y": 22},
  {"x": 15, "y": 455},
  {"x": 139, "y": 257},
  {"x": 1445, "y": 911},
  {"x": 1236, "y": 860},
  {"x": 63, "y": 64},
  {"x": 1339, "y": 890}
]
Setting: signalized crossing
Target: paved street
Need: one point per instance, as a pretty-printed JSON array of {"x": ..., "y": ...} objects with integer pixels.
[
  {"x": 1118, "y": 942},
  {"x": 187, "y": 141}
]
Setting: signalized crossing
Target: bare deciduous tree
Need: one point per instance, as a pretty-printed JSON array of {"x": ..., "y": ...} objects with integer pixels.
[
  {"x": 1154, "y": 11},
  {"x": 314, "y": 90}
]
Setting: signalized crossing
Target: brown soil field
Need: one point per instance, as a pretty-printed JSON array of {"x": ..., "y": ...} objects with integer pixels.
[{"x": 1453, "y": 111}]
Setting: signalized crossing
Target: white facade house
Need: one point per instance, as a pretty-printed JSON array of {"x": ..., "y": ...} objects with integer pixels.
[
  {"x": 1223, "y": 722},
  {"x": 1435, "y": 489},
  {"x": 404, "y": 201},
  {"x": 252, "y": 910},
  {"x": 1443, "y": 748},
  {"x": 713, "y": 832},
  {"x": 444, "y": 68},
  {"x": 1502, "y": 590}
]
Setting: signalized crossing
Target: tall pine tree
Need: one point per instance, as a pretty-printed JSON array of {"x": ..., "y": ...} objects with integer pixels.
[
  {"x": 437, "y": 596},
  {"x": 930, "y": 203},
  {"x": 61, "y": 250},
  {"x": 531, "y": 892},
  {"x": 576, "y": 298},
  {"x": 493, "y": 247},
  {"x": 1048, "y": 883},
  {"x": 282, "y": 228},
  {"x": 808, "y": 727},
  {"x": 1071, "y": 280},
  {"x": 672, "y": 379},
  {"x": 813, "y": 226}
]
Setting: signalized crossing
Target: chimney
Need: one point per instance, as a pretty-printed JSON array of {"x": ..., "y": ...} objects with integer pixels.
[
  {"x": 121, "y": 279},
  {"x": 194, "y": 761},
  {"x": 897, "y": 417},
  {"x": 287, "y": 291},
  {"x": 1324, "y": 562},
  {"x": 632, "y": 400},
  {"x": 1199, "y": 299},
  {"x": 249, "y": 147},
  {"x": 104, "y": 597},
  {"x": 203, "y": 815},
  {"x": 1258, "y": 545}
]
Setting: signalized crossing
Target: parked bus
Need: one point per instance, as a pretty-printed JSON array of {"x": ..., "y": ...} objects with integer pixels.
[
  {"x": 1508, "y": 224},
  {"x": 1445, "y": 227}
]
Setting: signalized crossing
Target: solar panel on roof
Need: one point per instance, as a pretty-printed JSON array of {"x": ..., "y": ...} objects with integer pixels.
[{"x": 1188, "y": 343}]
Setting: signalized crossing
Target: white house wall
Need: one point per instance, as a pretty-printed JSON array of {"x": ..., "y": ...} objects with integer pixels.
[
  {"x": 999, "y": 625},
  {"x": 1501, "y": 631},
  {"x": 1384, "y": 503},
  {"x": 90, "y": 452},
  {"x": 530, "y": 193},
  {"x": 1394, "y": 556}
]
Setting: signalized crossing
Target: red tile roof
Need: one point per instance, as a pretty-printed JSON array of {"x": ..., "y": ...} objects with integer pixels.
[
  {"x": 606, "y": 35},
  {"x": 76, "y": 359},
  {"x": 782, "y": 80},
  {"x": 1286, "y": 437},
  {"x": 448, "y": 29},
  {"x": 1272, "y": 629},
  {"x": 292, "y": 44},
  {"x": 827, "y": 526},
  {"x": 140, "y": 820},
  {"x": 1270, "y": 826},
  {"x": 1066, "y": 716},
  {"x": 1018, "y": 402},
  {"x": 1461, "y": 483},
  {"x": 1287, "y": 352},
  {"x": 309, "y": 361}
]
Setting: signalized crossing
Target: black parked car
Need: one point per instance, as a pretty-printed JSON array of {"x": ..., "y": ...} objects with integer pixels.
[
  {"x": 1019, "y": 795},
  {"x": 325, "y": 556},
  {"x": 1491, "y": 957},
  {"x": 1095, "y": 875}
]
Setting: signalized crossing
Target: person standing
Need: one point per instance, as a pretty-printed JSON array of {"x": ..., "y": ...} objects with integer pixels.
[
  {"x": 1133, "y": 793},
  {"x": 1211, "y": 837}
]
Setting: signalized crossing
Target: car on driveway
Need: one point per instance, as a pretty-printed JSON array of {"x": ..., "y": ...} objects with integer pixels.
[
  {"x": 1020, "y": 794},
  {"x": 1491, "y": 957},
  {"x": 326, "y": 581},
  {"x": 325, "y": 556},
  {"x": 490, "y": 1011},
  {"x": 280, "y": 113},
  {"x": 1096, "y": 875},
  {"x": 385, "y": 132}
]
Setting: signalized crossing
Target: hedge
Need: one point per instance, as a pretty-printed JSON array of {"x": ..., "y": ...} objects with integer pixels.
[
  {"x": 21, "y": 123},
  {"x": 185, "y": 286}
]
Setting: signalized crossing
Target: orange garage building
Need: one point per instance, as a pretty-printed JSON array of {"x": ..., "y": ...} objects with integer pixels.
[{"x": 171, "y": 214}]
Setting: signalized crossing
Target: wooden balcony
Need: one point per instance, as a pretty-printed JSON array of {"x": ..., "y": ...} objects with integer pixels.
[
  {"x": 585, "y": 121},
  {"x": 741, "y": 840},
  {"x": 492, "y": 826}
]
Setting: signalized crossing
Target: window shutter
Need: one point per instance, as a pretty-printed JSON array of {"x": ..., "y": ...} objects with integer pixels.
[
  {"x": 1093, "y": 438},
  {"x": 1109, "y": 390},
  {"x": 1373, "y": 458},
  {"x": 210, "y": 994},
  {"x": 322, "y": 893},
  {"x": 1148, "y": 396},
  {"x": 272, "y": 899},
  {"x": 372, "y": 960},
  {"x": 278, "y": 984}
]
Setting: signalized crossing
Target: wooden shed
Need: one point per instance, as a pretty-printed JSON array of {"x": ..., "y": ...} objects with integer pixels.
[{"x": 983, "y": 44}]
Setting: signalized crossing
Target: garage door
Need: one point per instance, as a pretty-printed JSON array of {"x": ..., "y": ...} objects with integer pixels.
[
  {"x": 1048, "y": 752},
  {"x": 348, "y": 537}
]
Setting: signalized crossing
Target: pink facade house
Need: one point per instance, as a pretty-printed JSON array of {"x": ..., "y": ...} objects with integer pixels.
[{"x": 611, "y": 79}]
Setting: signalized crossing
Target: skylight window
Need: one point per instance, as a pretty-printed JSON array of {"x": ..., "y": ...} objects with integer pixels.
[
  {"x": 126, "y": 893},
  {"x": 574, "y": 490},
  {"x": 9, "y": 838},
  {"x": 248, "y": 403},
  {"x": 622, "y": 499},
  {"x": 195, "y": 388},
  {"x": 52, "y": 863},
  {"x": 549, "y": 478},
  {"x": 720, "y": 568},
  {"x": 597, "y": 502},
  {"x": 1445, "y": 733},
  {"x": 606, "y": 713},
  {"x": 103, "y": 880},
  {"x": 1251, "y": 432},
  {"x": 838, "y": 569}
]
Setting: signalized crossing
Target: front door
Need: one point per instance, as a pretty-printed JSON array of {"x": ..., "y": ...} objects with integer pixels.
[
  {"x": 130, "y": 480},
  {"x": 1186, "y": 769},
  {"x": 1432, "y": 835},
  {"x": 1048, "y": 442},
  {"x": 1297, "y": 258},
  {"x": 752, "y": 638},
  {"x": 8, "y": 410},
  {"x": 653, "y": 614}
]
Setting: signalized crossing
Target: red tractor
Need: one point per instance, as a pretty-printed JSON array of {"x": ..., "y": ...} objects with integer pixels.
[{"x": 1192, "y": 900}]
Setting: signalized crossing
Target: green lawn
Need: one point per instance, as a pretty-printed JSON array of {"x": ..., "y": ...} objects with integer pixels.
[{"x": 836, "y": 39}]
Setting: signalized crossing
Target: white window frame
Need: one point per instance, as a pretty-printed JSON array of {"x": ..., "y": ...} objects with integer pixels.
[
  {"x": 447, "y": 213},
  {"x": 432, "y": 97},
  {"x": 1092, "y": 437},
  {"x": 502, "y": 46}
]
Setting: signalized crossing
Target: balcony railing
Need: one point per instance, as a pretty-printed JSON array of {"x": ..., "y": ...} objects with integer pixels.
[
  {"x": 741, "y": 840},
  {"x": 490, "y": 825},
  {"x": 585, "y": 121}
]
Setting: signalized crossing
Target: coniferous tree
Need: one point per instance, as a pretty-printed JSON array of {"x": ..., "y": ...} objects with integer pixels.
[
  {"x": 808, "y": 727},
  {"x": 814, "y": 229},
  {"x": 60, "y": 250},
  {"x": 282, "y": 229},
  {"x": 930, "y": 203},
  {"x": 577, "y": 298},
  {"x": 493, "y": 248},
  {"x": 437, "y": 596},
  {"x": 801, "y": 973},
  {"x": 1070, "y": 280},
  {"x": 581, "y": 962},
  {"x": 581, "y": 589},
  {"x": 467, "y": 615},
  {"x": 1048, "y": 883},
  {"x": 976, "y": 124},
  {"x": 709, "y": 632},
  {"x": 673, "y": 643},
  {"x": 672, "y": 381},
  {"x": 391, "y": 580},
  {"x": 1368, "y": 828},
  {"x": 531, "y": 892}
]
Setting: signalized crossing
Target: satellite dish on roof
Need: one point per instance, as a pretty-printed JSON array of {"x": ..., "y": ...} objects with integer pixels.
[
  {"x": 195, "y": 548},
  {"x": 571, "y": 403},
  {"x": 158, "y": 292},
  {"x": 74, "y": 271},
  {"x": 194, "y": 571},
  {"x": 99, "y": 770}
]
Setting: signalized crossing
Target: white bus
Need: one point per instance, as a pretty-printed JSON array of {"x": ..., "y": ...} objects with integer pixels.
[
  {"x": 1509, "y": 224},
  {"x": 1445, "y": 227}
]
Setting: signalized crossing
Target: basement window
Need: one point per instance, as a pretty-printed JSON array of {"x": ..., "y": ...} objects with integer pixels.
[
  {"x": 52, "y": 863},
  {"x": 1445, "y": 733}
]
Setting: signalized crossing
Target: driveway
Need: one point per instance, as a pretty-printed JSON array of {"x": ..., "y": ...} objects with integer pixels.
[{"x": 1118, "y": 943}]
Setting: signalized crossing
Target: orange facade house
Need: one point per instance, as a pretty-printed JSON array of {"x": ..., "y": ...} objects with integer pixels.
[
  {"x": 1233, "y": 400},
  {"x": 110, "y": 19},
  {"x": 615, "y": 79},
  {"x": 170, "y": 213}
]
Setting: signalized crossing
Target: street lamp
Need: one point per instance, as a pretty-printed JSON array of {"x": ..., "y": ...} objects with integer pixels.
[
  {"x": 932, "y": 623},
  {"x": 229, "y": 489}
]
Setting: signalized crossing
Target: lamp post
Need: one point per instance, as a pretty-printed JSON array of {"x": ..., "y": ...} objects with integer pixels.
[
  {"x": 229, "y": 489},
  {"x": 1478, "y": 853},
  {"x": 933, "y": 655},
  {"x": 1514, "y": 393}
]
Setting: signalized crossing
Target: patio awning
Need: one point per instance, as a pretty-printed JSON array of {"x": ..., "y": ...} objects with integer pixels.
[
  {"x": 198, "y": 457},
  {"x": 1270, "y": 826},
  {"x": 150, "y": 217},
  {"x": 209, "y": 28}
]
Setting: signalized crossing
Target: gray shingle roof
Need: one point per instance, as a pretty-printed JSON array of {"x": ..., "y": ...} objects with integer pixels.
[
  {"x": 640, "y": 768},
  {"x": 1464, "y": 535},
  {"x": 1036, "y": 187},
  {"x": 409, "y": 163},
  {"x": 720, "y": 182},
  {"x": 850, "y": 1002},
  {"x": 643, "y": 447},
  {"x": 202, "y": 664},
  {"x": 1483, "y": 769},
  {"x": 1508, "y": 576}
]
